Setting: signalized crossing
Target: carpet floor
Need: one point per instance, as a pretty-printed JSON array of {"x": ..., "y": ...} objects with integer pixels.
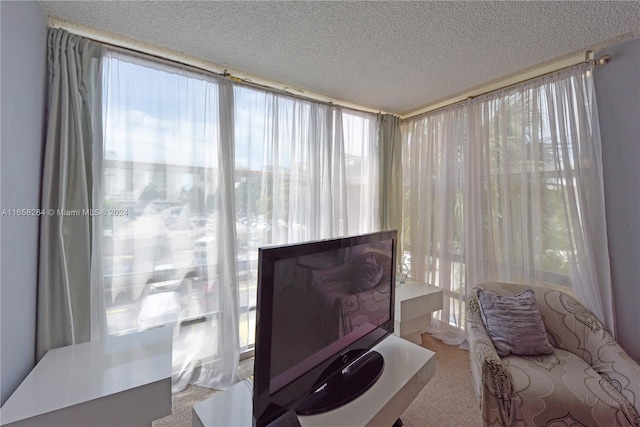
[{"x": 446, "y": 401}]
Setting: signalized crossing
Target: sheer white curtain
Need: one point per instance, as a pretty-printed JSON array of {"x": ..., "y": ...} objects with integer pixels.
[
  {"x": 363, "y": 165},
  {"x": 169, "y": 234},
  {"x": 433, "y": 149},
  {"x": 193, "y": 176},
  {"x": 304, "y": 171},
  {"x": 508, "y": 187},
  {"x": 535, "y": 194}
]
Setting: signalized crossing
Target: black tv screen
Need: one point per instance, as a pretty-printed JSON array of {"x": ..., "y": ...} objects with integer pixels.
[{"x": 321, "y": 305}]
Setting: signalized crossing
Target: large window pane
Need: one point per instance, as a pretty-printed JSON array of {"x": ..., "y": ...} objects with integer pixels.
[
  {"x": 304, "y": 171},
  {"x": 161, "y": 172}
]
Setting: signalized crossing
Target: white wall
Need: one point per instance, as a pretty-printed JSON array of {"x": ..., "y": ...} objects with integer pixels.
[
  {"x": 618, "y": 96},
  {"x": 22, "y": 105}
]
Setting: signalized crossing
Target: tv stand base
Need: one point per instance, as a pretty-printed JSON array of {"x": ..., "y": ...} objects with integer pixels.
[
  {"x": 408, "y": 368},
  {"x": 345, "y": 386}
]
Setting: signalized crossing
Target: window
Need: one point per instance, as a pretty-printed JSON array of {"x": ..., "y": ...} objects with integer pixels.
[
  {"x": 506, "y": 187},
  {"x": 528, "y": 178},
  {"x": 162, "y": 158},
  {"x": 302, "y": 171}
]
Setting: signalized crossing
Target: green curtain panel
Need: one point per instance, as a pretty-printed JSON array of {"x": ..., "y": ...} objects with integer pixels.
[
  {"x": 66, "y": 244},
  {"x": 390, "y": 144}
]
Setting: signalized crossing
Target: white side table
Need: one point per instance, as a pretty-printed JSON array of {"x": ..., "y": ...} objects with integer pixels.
[
  {"x": 408, "y": 368},
  {"x": 122, "y": 380},
  {"x": 415, "y": 301}
]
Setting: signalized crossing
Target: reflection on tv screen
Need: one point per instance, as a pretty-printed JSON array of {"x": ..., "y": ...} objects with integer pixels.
[{"x": 324, "y": 302}]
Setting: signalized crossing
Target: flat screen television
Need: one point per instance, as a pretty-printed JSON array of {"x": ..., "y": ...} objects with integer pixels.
[{"x": 321, "y": 307}]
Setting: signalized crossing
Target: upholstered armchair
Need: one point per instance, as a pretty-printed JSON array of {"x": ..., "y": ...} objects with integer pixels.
[{"x": 588, "y": 380}]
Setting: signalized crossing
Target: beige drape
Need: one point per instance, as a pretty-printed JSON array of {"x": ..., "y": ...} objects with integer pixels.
[
  {"x": 391, "y": 200},
  {"x": 68, "y": 256}
]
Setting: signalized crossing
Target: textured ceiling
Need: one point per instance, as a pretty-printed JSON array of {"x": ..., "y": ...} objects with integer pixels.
[{"x": 389, "y": 56}]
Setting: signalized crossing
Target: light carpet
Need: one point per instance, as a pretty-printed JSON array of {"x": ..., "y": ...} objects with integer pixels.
[
  {"x": 447, "y": 400},
  {"x": 183, "y": 402}
]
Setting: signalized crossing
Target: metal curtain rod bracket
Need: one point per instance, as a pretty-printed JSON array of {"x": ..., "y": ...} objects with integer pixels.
[
  {"x": 588, "y": 56},
  {"x": 590, "y": 59}
]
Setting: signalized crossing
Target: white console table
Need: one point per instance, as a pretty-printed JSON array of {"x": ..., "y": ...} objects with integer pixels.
[
  {"x": 408, "y": 368},
  {"x": 415, "y": 301},
  {"x": 122, "y": 380}
]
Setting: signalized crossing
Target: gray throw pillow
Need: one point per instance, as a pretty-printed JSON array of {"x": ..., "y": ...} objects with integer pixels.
[{"x": 514, "y": 324}]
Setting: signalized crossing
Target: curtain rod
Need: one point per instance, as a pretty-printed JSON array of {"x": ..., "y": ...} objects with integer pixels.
[
  {"x": 242, "y": 81},
  {"x": 198, "y": 65},
  {"x": 586, "y": 59},
  {"x": 187, "y": 62}
]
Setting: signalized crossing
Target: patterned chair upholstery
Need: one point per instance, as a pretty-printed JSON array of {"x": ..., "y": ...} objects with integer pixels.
[{"x": 590, "y": 380}]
